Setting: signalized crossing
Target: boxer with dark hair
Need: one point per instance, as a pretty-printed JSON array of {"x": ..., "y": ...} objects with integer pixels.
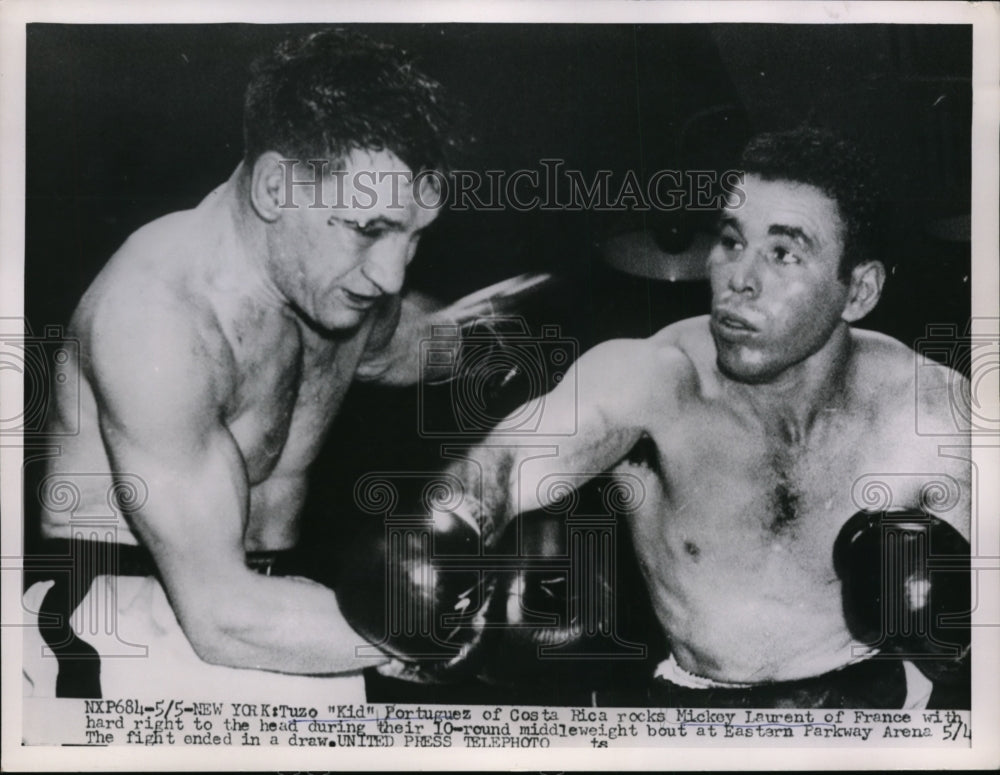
[
  {"x": 761, "y": 423},
  {"x": 216, "y": 348},
  {"x": 324, "y": 95},
  {"x": 839, "y": 169}
]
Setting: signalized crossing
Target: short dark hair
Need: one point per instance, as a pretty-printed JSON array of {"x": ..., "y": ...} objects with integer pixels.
[
  {"x": 837, "y": 167},
  {"x": 327, "y": 93}
]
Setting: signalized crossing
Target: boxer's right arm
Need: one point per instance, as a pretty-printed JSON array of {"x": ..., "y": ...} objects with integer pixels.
[
  {"x": 161, "y": 387},
  {"x": 609, "y": 398}
]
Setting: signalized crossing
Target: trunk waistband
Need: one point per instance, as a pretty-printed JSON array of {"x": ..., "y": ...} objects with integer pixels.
[
  {"x": 73, "y": 564},
  {"x": 86, "y": 558}
]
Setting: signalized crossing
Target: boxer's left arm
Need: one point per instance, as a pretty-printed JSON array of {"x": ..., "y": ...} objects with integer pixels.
[{"x": 942, "y": 446}]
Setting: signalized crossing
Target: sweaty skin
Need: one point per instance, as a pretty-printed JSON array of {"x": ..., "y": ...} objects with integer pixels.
[
  {"x": 761, "y": 424},
  {"x": 736, "y": 531},
  {"x": 216, "y": 347}
]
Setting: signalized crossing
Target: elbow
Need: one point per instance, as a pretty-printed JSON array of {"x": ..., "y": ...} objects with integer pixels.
[
  {"x": 209, "y": 643},
  {"x": 213, "y": 639}
]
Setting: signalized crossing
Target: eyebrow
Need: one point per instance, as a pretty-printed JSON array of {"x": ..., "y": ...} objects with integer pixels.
[
  {"x": 729, "y": 220},
  {"x": 792, "y": 232},
  {"x": 775, "y": 229}
]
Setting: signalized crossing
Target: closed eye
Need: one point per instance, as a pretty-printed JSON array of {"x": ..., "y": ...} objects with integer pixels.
[{"x": 369, "y": 230}]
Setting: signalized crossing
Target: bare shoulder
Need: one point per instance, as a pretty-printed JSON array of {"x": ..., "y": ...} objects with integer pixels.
[
  {"x": 666, "y": 353},
  {"x": 153, "y": 257},
  {"x": 901, "y": 380},
  {"x": 883, "y": 367},
  {"x": 882, "y": 352},
  {"x": 922, "y": 407},
  {"x": 646, "y": 374},
  {"x": 687, "y": 350},
  {"x": 149, "y": 335}
]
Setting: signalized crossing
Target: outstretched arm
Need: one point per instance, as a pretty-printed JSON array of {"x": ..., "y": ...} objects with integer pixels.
[
  {"x": 589, "y": 422},
  {"x": 161, "y": 387}
]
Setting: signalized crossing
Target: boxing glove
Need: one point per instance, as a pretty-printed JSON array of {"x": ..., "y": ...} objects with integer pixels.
[
  {"x": 414, "y": 587},
  {"x": 555, "y": 615},
  {"x": 906, "y": 586}
]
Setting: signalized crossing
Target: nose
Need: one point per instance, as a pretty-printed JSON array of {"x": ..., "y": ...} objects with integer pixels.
[
  {"x": 385, "y": 266},
  {"x": 744, "y": 276}
]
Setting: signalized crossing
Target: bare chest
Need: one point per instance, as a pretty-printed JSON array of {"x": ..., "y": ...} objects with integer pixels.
[
  {"x": 286, "y": 401},
  {"x": 722, "y": 495}
]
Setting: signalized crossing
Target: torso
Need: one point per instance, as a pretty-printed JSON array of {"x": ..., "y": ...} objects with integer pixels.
[
  {"x": 279, "y": 418},
  {"x": 285, "y": 382},
  {"x": 736, "y": 531}
]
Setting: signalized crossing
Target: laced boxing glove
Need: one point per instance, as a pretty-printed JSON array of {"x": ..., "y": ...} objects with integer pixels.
[
  {"x": 906, "y": 587},
  {"x": 413, "y": 586},
  {"x": 558, "y": 612}
]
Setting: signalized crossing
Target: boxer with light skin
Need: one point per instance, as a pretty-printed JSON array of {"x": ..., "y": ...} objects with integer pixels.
[
  {"x": 218, "y": 344},
  {"x": 762, "y": 416}
]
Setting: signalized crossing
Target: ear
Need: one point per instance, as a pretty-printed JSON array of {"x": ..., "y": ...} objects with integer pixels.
[
  {"x": 267, "y": 187},
  {"x": 864, "y": 291}
]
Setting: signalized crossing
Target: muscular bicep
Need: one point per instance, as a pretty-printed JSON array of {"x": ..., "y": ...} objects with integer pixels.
[
  {"x": 194, "y": 475},
  {"x": 945, "y": 484},
  {"x": 923, "y": 455},
  {"x": 943, "y": 442},
  {"x": 586, "y": 425},
  {"x": 160, "y": 420}
]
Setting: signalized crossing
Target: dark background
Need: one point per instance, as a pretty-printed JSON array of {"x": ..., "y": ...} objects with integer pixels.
[{"x": 128, "y": 122}]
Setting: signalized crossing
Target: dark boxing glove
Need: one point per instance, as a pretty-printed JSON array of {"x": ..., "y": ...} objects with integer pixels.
[
  {"x": 906, "y": 586},
  {"x": 414, "y": 587},
  {"x": 555, "y": 615}
]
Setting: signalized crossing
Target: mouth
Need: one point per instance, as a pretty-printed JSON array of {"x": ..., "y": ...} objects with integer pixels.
[
  {"x": 359, "y": 301},
  {"x": 733, "y": 325}
]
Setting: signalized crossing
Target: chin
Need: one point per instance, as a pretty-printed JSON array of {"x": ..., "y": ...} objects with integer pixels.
[
  {"x": 742, "y": 369},
  {"x": 346, "y": 321},
  {"x": 741, "y": 373},
  {"x": 337, "y": 321}
]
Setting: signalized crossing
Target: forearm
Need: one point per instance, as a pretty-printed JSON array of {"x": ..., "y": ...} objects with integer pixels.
[
  {"x": 284, "y": 624},
  {"x": 482, "y": 476},
  {"x": 395, "y": 358},
  {"x": 396, "y": 361},
  {"x": 503, "y": 477}
]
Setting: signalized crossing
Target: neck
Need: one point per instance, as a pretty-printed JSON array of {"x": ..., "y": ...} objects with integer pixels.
[
  {"x": 242, "y": 264},
  {"x": 804, "y": 396}
]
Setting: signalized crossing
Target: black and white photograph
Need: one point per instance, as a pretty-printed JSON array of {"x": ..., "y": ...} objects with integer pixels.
[{"x": 422, "y": 387}]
